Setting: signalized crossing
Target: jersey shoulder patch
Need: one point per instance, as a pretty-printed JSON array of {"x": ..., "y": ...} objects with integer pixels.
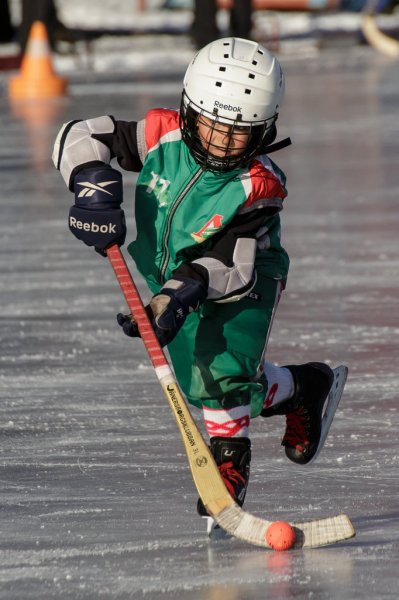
[
  {"x": 161, "y": 126},
  {"x": 264, "y": 184}
]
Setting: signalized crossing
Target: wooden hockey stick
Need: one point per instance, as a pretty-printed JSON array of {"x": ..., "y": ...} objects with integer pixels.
[{"x": 205, "y": 473}]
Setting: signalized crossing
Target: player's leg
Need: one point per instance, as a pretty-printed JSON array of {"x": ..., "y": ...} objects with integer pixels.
[
  {"x": 300, "y": 393},
  {"x": 216, "y": 357}
]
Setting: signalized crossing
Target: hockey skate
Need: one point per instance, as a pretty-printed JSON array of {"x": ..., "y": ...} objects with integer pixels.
[
  {"x": 309, "y": 413},
  {"x": 233, "y": 456}
]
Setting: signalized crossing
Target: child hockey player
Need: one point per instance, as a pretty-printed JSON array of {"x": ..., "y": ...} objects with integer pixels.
[{"x": 208, "y": 244}]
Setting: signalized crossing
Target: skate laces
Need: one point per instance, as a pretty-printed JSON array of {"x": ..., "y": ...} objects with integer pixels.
[
  {"x": 232, "y": 478},
  {"x": 297, "y": 426}
]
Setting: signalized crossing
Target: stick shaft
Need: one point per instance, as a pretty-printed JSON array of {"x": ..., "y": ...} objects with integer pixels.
[
  {"x": 203, "y": 467},
  {"x": 136, "y": 307}
]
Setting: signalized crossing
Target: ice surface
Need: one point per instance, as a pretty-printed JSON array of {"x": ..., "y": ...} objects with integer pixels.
[{"x": 96, "y": 496}]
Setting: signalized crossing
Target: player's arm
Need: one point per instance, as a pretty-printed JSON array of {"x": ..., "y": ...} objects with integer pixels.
[
  {"x": 82, "y": 153},
  {"x": 224, "y": 274},
  {"x": 227, "y": 270},
  {"x": 94, "y": 142}
]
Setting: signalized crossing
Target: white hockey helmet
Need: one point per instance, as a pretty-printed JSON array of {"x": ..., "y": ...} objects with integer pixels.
[{"x": 236, "y": 82}]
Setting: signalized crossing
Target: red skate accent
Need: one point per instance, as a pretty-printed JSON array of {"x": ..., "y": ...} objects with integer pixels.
[
  {"x": 232, "y": 478},
  {"x": 296, "y": 434}
]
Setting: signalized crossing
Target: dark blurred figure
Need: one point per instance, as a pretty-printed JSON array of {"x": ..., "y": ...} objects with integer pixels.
[
  {"x": 6, "y": 28},
  {"x": 38, "y": 10},
  {"x": 205, "y": 28}
]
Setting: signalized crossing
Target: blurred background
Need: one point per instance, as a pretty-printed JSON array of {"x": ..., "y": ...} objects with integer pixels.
[{"x": 83, "y": 27}]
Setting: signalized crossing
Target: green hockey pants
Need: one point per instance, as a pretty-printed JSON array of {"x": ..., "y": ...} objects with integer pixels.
[{"x": 218, "y": 352}]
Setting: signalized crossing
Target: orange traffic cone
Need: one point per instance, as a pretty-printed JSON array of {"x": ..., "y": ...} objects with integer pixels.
[{"x": 37, "y": 78}]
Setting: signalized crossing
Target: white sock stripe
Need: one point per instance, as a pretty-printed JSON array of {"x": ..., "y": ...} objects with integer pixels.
[{"x": 280, "y": 384}]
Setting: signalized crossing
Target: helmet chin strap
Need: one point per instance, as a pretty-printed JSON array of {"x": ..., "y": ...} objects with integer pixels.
[{"x": 277, "y": 146}]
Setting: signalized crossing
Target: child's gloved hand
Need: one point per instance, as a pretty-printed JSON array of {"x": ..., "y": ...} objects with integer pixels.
[
  {"x": 96, "y": 217},
  {"x": 168, "y": 309}
]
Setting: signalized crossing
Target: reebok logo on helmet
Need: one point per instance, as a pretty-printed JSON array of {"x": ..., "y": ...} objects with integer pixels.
[{"x": 229, "y": 107}]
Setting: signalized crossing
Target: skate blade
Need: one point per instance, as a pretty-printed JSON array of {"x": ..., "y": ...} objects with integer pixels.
[
  {"x": 214, "y": 531},
  {"x": 333, "y": 400}
]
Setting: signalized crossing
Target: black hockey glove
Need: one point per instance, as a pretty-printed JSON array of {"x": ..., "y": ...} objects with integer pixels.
[
  {"x": 168, "y": 309},
  {"x": 97, "y": 218}
]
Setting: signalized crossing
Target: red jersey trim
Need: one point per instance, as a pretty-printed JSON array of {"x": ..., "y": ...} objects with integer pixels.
[
  {"x": 262, "y": 185},
  {"x": 161, "y": 125}
]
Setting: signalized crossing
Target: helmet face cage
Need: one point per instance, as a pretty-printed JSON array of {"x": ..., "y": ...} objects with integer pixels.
[{"x": 260, "y": 134}]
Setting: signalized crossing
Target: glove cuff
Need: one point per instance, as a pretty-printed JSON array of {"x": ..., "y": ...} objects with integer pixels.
[{"x": 190, "y": 293}]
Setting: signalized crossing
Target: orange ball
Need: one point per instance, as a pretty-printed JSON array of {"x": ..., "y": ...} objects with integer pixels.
[{"x": 280, "y": 535}]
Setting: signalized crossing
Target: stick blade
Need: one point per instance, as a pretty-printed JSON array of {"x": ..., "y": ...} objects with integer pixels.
[{"x": 321, "y": 532}]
